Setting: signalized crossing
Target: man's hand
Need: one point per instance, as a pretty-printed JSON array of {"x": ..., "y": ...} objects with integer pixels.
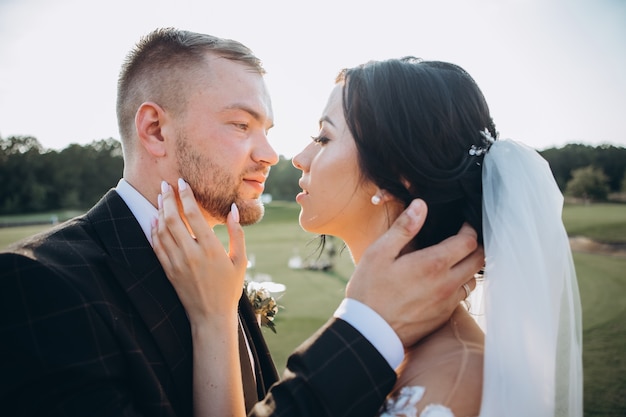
[{"x": 418, "y": 291}]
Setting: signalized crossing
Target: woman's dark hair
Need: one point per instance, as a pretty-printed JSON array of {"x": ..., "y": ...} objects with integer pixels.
[{"x": 414, "y": 123}]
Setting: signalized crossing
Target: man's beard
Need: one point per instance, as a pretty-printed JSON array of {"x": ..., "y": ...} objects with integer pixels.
[{"x": 214, "y": 187}]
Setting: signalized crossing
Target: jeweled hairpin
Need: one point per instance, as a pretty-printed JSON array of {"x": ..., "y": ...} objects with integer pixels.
[
  {"x": 476, "y": 151},
  {"x": 481, "y": 150},
  {"x": 487, "y": 135}
]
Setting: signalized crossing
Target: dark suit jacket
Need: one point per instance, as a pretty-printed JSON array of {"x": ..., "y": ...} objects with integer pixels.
[{"x": 90, "y": 325}]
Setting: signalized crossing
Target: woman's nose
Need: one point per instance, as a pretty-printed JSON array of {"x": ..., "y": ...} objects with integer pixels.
[{"x": 302, "y": 160}]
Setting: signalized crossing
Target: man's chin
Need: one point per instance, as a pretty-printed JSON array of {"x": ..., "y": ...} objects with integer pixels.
[{"x": 250, "y": 211}]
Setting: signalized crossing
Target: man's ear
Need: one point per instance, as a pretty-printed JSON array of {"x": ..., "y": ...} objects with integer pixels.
[{"x": 149, "y": 123}]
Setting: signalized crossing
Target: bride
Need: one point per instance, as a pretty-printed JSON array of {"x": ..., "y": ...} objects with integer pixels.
[{"x": 401, "y": 129}]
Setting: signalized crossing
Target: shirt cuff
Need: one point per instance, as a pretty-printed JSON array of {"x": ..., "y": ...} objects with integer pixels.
[{"x": 374, "y": 328}]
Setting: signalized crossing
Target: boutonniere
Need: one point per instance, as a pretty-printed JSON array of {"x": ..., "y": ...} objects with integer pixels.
[{"x": 263, "y": 303}]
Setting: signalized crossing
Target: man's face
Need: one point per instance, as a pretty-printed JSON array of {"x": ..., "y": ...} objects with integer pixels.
[{"x": 222, "y": 149}]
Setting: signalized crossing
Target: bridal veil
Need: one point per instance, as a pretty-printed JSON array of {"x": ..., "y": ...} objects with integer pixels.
[{"x": 530, "y": 299}]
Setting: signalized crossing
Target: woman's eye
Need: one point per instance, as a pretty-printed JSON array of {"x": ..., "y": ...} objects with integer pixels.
[
  {"x": 320, "y": 139},
  {"x": 241, "y": 126}
]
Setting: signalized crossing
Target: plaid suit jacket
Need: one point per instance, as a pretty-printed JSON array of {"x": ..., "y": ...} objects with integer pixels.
[{"x": 90, "y": 325}]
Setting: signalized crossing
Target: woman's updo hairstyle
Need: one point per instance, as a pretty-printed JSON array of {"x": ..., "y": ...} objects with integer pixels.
[{"x": 414, "y": 123}]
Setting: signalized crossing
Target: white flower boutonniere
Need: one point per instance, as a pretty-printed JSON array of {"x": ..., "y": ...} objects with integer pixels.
[{"x": 264, "y": 305}]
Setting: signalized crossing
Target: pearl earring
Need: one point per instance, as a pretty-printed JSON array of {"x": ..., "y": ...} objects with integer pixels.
[{"x": 375, "y": 199}]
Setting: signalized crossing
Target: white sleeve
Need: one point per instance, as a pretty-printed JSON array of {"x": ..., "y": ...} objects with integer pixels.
[{"x": 374, "y": 328}]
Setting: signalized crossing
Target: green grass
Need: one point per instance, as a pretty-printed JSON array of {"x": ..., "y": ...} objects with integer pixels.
[
  {"x": 9, "y": 235},
  {"x": 601, "y": 222},
  {"x": 602, "y": 284},
  {"x": 311, "y": 297},
  {"x": 61, "y": 215}
]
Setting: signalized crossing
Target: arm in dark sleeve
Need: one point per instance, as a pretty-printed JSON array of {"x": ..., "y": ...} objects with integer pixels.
[
  {"x": 57, "y": 356},
  {"x": 337, "y": 372}
]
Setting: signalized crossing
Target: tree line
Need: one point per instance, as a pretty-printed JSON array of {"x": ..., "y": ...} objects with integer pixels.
[{"x": 34, "y": 179}]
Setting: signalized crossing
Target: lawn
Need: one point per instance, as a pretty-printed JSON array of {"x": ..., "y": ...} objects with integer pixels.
[
  {"x": 311, "y": 297},
  {"x": 602, "y": 222},
  {"x": 602, "y": 284}
]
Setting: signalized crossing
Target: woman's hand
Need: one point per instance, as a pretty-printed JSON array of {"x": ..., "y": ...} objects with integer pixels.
[
  {"x": 208, "y": 280},
  {"x": 209, "y": 283}
]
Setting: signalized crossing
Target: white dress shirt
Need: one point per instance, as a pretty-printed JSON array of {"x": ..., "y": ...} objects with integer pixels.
[{"x": 142, "y": 209}]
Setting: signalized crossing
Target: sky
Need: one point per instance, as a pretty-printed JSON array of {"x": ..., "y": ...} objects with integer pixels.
[{"x": 552, "y": 71}]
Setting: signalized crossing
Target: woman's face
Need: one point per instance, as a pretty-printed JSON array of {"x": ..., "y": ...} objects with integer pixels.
[{"x": 335, "y": 199}]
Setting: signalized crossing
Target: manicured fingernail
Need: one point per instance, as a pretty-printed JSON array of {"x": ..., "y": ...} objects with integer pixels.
[
  {"x": 182, "y": 185},
  {"x": 235, "y": 211},
  {"x": 160, "y": 201},
  {"x": 164, "y": 187},
  {"x": 153, "y": 222}
]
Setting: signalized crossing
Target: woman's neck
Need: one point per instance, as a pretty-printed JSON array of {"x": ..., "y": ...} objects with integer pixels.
[
  {"x": 358, "y": 237},
  {"x": 359, "y": 240},
  {"x": 356, "y": 250}
]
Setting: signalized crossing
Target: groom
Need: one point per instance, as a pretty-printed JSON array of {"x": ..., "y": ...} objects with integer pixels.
[{"x": 89, "y": 323}]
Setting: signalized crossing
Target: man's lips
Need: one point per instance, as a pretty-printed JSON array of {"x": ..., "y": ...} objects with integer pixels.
[
  {"x": 256, "y": 178},
  {"x": 258, "y": 183}
]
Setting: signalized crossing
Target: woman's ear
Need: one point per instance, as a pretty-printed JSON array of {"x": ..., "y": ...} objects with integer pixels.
[
  {"x": 381, "y": 197},
  {"x": 149, "y": 121},
  {"x": 386, "y": 197}
]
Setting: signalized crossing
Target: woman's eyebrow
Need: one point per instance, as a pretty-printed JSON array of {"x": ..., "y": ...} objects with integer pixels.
[{"x": 327, "y": 120}]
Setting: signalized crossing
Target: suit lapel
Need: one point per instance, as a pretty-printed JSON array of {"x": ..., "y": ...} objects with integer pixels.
[
  {"x": 263, "y": 364},
  {"x": 247, "y": 374},
  {"x": 138, "y": 271}
]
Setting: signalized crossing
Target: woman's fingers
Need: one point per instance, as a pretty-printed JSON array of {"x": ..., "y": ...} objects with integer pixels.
[
  {"x": 172, "y": 218},
  {"x": 196, "y": 221},
  {"x": 165, "y": 245},
  {"x": 159, "y": 249},
  {"x": 207, "y": 279},
  {"x": 187, "y": 245},
  {"x": 237, "y": 243}
]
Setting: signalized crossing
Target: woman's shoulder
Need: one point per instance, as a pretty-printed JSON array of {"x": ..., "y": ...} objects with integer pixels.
[
  {"x": 448, "y": 365},
  {"x": 457, "y": 344}
]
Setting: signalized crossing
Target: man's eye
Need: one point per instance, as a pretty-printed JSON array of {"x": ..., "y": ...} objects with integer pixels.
[{"x": 320, "y": 139}]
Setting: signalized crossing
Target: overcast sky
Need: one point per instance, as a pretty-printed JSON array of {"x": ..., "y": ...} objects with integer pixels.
[{"x": 553, "y": 71}]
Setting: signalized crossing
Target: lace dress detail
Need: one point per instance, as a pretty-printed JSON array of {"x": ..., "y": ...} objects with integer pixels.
[{"x": 405, "y": 405}]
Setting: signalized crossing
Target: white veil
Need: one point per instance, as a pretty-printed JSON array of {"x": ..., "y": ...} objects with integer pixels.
[{"x": 531, "y": 304}]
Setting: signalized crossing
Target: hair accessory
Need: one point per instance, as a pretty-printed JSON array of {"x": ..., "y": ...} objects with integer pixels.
[
  {"x": 476, "y": 151},
  {"x": 481, "y": 150},
  {"x": 375, "y": 199},
  {"x": 487, "y": 135}
]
